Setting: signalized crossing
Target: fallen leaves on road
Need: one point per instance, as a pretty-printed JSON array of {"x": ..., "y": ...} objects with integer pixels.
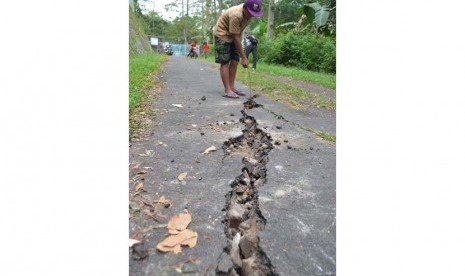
[
  {"x": 162, "y": 200},
  {"x": 210, "y": 149},
  {"x": 182, "y": 176},
  {"x": 173, "y": 243},
  {"x": 139, "y": 186},
  {"x": 179, "y": 235},
  {"x": 179, "y": 222},
  {"x": 177, "y": 105}
]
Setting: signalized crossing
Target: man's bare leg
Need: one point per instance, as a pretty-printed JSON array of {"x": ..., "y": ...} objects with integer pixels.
[
  {"x": 224, "y": 72},
  {"x": 232, "y": 74}
]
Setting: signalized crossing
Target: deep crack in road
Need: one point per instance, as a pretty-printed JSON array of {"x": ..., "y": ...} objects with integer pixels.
[{"x": 244, "y": 220}]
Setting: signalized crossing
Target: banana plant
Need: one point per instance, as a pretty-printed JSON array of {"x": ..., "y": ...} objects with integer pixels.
[
  {"x": 321, "y": 14},
  {"x": 314, "y": 12}
]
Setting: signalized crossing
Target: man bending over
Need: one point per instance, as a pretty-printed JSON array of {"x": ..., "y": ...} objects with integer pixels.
[{"x": 228, "y": 48}]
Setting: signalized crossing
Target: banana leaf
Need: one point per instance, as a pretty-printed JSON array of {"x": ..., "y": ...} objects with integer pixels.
[{"x": 321, "y": 14}]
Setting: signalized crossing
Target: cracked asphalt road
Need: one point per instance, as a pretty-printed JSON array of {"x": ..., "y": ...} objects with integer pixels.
[{"x": 298, "y": 201}]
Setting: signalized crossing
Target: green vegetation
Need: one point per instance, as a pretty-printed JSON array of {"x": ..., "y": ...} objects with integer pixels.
[
  {"x": 280, "y": 91},
  {"x": 138, "y": 42},
  {"x": 303, "y": 50},
  {"x": 323, "y": 79},
  {"x": 326, "y": 136},
  {"x": 143, "y": 65},
  {"x": 141, "y": 70},
  {"x": 323, "y": 135}
]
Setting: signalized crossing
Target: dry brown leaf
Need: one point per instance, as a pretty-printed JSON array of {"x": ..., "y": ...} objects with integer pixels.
[
  {"x": 139, "y": 186},
  {"x": 179, "y": 238},
  {"x": 177, "y": 249},
  {"x": 179, "y": 222},
  {"x": 173, "y": 243},
  {"x": 210, "y": 149},
  {"x": 182, "y": 176},
  {"x": 162, "y": 200},
  {"x": 173, "y": 231},
  {"x": 163, "y": 248},
  {"x": 190, "y": 242}
]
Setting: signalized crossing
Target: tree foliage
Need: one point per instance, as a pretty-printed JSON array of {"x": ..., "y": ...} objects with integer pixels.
[
  {"x": 304, "y": 41},
  {"x": 305, "y": 50}
]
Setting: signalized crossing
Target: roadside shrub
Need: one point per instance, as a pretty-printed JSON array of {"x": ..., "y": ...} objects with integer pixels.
[
  {"x": 263, "y": 47},
  {"x": 303, "y": 50}
]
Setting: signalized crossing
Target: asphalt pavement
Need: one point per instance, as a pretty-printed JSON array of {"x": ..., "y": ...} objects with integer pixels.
[{"x": 298, "y": 200}]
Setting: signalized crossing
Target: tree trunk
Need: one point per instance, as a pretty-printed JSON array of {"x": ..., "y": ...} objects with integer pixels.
[
  {"x": 210, "y": 17},
  {"x": 271, "y": 8},
  {"x": 183, "y": 22},
  {"x": 202, "y": 3},
  {"x": 220, "y": 8}
]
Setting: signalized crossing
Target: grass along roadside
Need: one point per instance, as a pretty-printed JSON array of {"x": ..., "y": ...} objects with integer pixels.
[
  {"x": 323, "y": 135},
  {"x": 141, "y": 71},
  {"x": 326, "y": 136},
  {"x": 282, "y": 92},
  {"x": 323, "y": 79}
]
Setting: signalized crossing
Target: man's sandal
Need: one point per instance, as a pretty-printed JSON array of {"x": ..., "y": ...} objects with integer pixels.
[
  {"x": 238, "y": 92},
  {"x": 231, "y": 95}
]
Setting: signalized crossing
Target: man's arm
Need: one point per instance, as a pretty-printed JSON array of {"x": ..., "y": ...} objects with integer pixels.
[{"x": 240, "y": 49}]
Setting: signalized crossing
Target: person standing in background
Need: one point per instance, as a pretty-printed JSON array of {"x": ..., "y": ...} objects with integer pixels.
[
  {"x": 193, "y": 49},
  {"x": 206, "y": 48},
  {"x": 250, "y": 44}
]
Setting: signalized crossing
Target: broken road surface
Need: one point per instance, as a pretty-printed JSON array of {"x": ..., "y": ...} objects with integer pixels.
[{"x": 260, "y": 188}]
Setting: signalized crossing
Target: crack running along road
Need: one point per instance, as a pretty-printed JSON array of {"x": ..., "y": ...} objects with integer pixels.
[{"x": 243, "y": 220}]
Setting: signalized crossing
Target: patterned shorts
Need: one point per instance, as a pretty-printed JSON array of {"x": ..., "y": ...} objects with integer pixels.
[{"x": 225, "y": 52}]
